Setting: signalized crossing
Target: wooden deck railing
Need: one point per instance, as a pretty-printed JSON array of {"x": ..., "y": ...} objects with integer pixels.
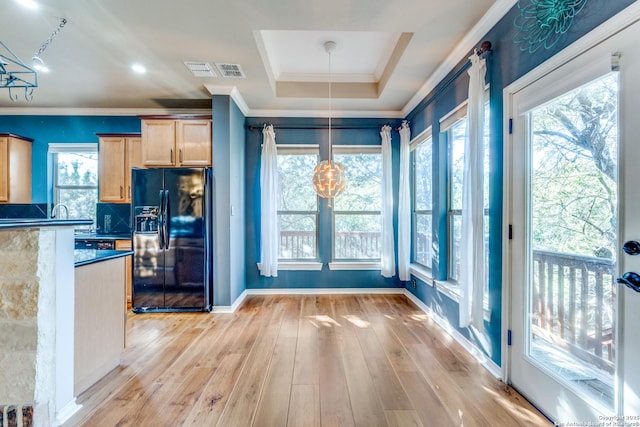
[
  {"x": 348, "y": 245},
  {"x": 298, "y": 244},
  {"x": 573, "y": 300}
]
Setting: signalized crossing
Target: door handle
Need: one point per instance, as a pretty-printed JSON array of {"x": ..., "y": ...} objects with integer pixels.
[
  {"x": 631, "y": 247},
  {"x": 630, "y": 280}
]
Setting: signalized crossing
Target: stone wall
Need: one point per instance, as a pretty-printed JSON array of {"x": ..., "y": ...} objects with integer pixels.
[{"x": 27, "y": 326}]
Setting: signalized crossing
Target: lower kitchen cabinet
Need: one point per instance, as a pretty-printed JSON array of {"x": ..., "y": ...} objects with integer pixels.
[
  {"x": 128, "y": 267},
  {"x": 100, "y": 320}
]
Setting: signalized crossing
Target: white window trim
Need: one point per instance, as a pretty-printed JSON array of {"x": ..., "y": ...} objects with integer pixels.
[
  {"x": 364, "y": 265},
  {"x": 420, "y": 138},
  {"x": 357, "y": 149},
  {"x": 452, "y": 291},
  {"x": 422, "y": 273},
  {"x": 297, "y": 266},
  {"x": 72, "y": 147}
]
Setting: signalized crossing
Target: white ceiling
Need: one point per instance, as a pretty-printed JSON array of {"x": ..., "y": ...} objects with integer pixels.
[{"x": 389, "y": 53}]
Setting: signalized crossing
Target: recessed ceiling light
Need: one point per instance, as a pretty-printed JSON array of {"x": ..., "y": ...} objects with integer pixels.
[
  {"x": 28, "y": 3},
  {"x": 138, "y": 68}
]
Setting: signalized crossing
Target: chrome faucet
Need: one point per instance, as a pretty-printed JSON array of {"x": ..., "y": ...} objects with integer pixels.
[{"x": 56, "y": 209}]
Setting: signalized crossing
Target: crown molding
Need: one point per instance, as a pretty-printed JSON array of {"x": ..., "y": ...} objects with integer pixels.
[
  {"x": 387, "y": 114},
  {"x": 482, "y": 27},
  {"x": 231, "y": 91},
  {"x": 53, "y": 111}
]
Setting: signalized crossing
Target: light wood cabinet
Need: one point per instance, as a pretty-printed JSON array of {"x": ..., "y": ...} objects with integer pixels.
[
  {"x": 118, "y": 153},
  {"x": 128, "y": 268},
  {"x": 176, "y": 142},
  {"x": 15, "y": 168}
]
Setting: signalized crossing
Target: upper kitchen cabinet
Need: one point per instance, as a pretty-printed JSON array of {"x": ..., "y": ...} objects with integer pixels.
[
  {"x": 118, "y": 153},
  {"x": 15, "y": 168},
  {"x": 176, "y": 141}
]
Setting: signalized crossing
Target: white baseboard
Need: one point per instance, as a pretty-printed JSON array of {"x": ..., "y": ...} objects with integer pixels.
[
  {"x": 488, "y": 364},
  {"x": 325, "y": 291},
  {"x": 67, "y": 412},
  {"x": 230, "y": 308}
]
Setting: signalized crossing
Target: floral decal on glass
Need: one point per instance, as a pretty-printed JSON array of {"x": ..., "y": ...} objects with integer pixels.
[{"x": 541, "y": 23}]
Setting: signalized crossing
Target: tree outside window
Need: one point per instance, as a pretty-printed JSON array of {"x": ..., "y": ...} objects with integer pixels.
[
  {"x": 298, "y": 204},
  {"x": 422, "y": 200},
  {"x": 76, "y": 180},
  {"x": 357, "y": 216}
]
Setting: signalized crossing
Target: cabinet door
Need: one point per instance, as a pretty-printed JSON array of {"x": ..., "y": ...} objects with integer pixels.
[
  {"x": 19, "y": 170},
  {"x": 193, "y": 139},
  {"x": 158, "y": 142},
  {"x": 112, "y": 167},
  {"x": 133, "y": 160},
  {"x": 4, "y": 169}
]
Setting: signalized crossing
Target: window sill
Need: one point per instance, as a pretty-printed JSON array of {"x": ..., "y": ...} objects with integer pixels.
[
  {"x": 297, "y": 265},
  {"x": 354, "y": 266},
  {"x": 421, "y": 273},
  {"x": 453, "y": 292}
]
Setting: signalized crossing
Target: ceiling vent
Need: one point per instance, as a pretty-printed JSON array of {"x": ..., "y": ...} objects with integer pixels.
[
  {"x": 200, "y": 69},
  {"x": 231, "y": 70}
]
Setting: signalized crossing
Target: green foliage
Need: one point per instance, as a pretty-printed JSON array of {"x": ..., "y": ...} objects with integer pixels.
[
  {"x": 574, "y": 191},
  {"x": 77, "y": 183}
]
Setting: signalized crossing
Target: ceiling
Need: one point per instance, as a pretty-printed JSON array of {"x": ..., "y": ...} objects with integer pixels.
[{"x": 388, "y": 54}]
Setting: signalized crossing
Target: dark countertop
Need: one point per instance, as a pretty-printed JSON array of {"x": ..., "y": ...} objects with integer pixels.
[
  {"x": 84, "y": 235},
  {"x": 90, "y": 256},
  {"x": 9, "y": 223}
]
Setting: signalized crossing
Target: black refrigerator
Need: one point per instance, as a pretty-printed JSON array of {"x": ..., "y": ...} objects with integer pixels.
[{"x": 172, "y": 240}]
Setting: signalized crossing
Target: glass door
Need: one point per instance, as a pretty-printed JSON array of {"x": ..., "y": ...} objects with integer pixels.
[{"x": 569, "y": 191}]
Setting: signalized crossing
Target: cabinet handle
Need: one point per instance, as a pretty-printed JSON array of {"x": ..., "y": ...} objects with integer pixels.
[
  {"x": 180, "y": 155},
  {"x": 121, "y": 195},
  {"x": 171, "y": 154},
  {"x": 129, "y": 189}
]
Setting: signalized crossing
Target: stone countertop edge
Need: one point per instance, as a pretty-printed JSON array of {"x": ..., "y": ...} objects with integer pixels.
[
  {"x": 10, "y": 223},
  {"x": 90, "y": 256}
]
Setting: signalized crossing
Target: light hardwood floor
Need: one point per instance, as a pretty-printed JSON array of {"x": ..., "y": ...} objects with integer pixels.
[{"x": 325, "y": 360}]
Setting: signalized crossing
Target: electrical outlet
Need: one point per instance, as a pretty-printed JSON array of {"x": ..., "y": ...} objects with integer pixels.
[{"x": 413, "y": 283}]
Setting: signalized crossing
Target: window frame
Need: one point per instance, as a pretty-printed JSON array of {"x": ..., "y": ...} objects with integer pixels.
[
  {"x": 354, "y": 263},
  {"x": 421, "y": 140},
  {"x": 300, "y": 263},
  {"x": 53, "y": 151},
  {"x": 451, "y": 286}
]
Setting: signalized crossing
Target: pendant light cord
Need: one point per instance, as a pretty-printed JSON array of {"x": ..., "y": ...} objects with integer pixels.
[{"x": 329, "y": 47}]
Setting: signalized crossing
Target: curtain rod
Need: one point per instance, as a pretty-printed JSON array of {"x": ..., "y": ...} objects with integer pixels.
[
  {"x": 484, "y": 49},
  {"x": 307, "y": 127}
]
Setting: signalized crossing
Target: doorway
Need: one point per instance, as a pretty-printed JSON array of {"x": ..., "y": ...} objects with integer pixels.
[{"x": 571, "y": 195}]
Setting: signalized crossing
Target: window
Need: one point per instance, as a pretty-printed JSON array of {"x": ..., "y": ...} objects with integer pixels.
[
  {"x": 298, "y": 204},
  {"x": 455, "y": 138},
  {"x": 357, "y": 216},
  {"x": 455, "y": 127},
  {"x": 75, "y": 178},
  {"x": 421, "y": 200}
]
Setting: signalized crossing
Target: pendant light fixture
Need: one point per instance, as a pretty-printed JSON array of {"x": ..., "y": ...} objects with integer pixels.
[{"x": 329, "y": 178}]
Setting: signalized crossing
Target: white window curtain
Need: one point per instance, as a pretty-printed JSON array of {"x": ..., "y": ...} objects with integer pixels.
[
  {"x": 404, "y": 205},
  {"x": 388, "y": 255},
  {"x": 269, "y": 204},
  {"x": 472, "y": 239}
]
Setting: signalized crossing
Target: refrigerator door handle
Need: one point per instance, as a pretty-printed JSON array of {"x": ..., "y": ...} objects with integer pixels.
[
  {"x": 161, "y": 230},
  {"x": 167, "y": 220}
]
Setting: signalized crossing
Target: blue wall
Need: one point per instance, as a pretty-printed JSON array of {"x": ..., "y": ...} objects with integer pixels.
[
  {"x": 60, "y": 129},
  {"x": 229, "y": 227},
  {"x": 367, "y": 133},
  {"x": 506, "y": 64}
]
